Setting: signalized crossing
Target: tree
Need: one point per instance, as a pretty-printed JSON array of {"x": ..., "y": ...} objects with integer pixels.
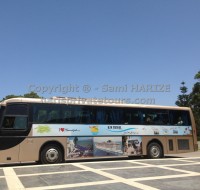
[
  {"x": 191, "y": 100},
  {"x": 184, "y": 98},
  {"x": 197, "y": 76},
  {"x": 31, "y": 95},
  {"x": 11, "y": 96},
  {"x": 195, "y": 101},
  {"x": 28, "y": 95}
]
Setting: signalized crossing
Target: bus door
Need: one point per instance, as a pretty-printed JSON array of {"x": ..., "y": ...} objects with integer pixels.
[{"x": 13, "y": 130}]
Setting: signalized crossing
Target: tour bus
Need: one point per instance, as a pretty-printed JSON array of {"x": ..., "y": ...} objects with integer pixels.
[{"x": 53, "y": 130}]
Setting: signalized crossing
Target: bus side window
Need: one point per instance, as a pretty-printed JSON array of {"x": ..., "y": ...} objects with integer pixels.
[
  {"x": 107, "y": 118},
  {"x": 155, "y": 117},
  {"x": 16, "y": 117},
  {"x": 67, "y": 116},
  {"x": 100, "y": 115},
  {"x": 53, "y": 116},
  {"x": 136, "y": 119},
  {"x": 18, "y": 122},
  {"x": 46, "y": 113},
  {"x": 149, "y": 120},
  {"x": 180, "y": 117},
  {"x": 131, "y": 116},
  {"x": 42, "y": 116},
  {"x": 127, "y": 118},
  {"x": 8, "y": 122},
  {"x": 86, "y": 115}
]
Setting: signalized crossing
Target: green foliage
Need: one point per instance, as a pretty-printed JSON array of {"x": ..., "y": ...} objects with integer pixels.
[
  {"x": 195, "y": 102},
  {"x": 192, "y": 100},
  {"x": 31, "y": 95},
  {"x": 28, "y": 95},
  {"x": 184, "y": 98},
  {"x": 11, "y": 96},
  {"x": 197, "y": 76}
]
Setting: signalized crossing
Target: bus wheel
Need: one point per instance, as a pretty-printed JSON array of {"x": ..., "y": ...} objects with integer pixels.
[
  {"x": 154, "y": 150},
  {"x": 51, "y": 154}
]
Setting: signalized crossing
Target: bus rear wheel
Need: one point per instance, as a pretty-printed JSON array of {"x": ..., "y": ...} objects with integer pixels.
[
  {"x": 51, "y": 154},
  {"x": 154, "y": 150}
]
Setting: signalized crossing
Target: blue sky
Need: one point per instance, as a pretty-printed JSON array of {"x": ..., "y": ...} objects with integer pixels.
[{"x": 50, "y": 43}]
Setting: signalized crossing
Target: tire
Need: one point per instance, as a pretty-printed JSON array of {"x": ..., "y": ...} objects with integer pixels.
[
  {"x": 154, "y": 151},
  {"x": 51, "y": 154}
]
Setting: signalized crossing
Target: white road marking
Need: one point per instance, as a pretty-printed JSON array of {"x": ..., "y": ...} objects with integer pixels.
[
  {"x": 12, "y": 180},
  {"x": 116, "y": 178},
  {"x": 154, "y": 165},
  {"x": 167, "y": 167},
  {"x": 144, "y": 165},
  {"x": 165, "y": 177},
  {"x": 50, "y": 173},
  {"x": 121, "y": 168}
]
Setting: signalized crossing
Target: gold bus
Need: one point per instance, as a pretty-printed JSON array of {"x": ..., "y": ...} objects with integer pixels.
[{"x": 54, "y": 130}]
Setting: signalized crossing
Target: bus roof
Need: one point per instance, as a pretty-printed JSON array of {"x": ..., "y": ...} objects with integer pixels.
[{"x": 85, "y": 101}]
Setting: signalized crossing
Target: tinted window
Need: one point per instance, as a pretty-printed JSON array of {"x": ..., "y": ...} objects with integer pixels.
[
  {"x": 155, "y": 117},
  {"x": 46, "y": 113},
  {"x": 132, "y": 116},
  {"x": 178, "y": 117},
  {"x": 78, "y": 114},
  {"x": 108, "y": 115},
  {"x": 17, "y": 109},
  {"x": 17, "y": 122},
  {"x": 2, "y": 108}
]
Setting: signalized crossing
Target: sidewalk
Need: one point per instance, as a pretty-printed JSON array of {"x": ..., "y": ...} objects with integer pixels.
[{"x": 185, "y": 155}]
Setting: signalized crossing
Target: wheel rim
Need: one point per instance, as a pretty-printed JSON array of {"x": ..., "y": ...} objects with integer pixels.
[
  {"x": 52, "y": 155},
  {"x": 155, "y": 151}
]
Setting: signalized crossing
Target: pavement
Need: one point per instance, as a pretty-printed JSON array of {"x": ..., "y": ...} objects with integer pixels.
[
  {"x": 180, "y": 172},
  {"x": 185, "y": 155}
]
